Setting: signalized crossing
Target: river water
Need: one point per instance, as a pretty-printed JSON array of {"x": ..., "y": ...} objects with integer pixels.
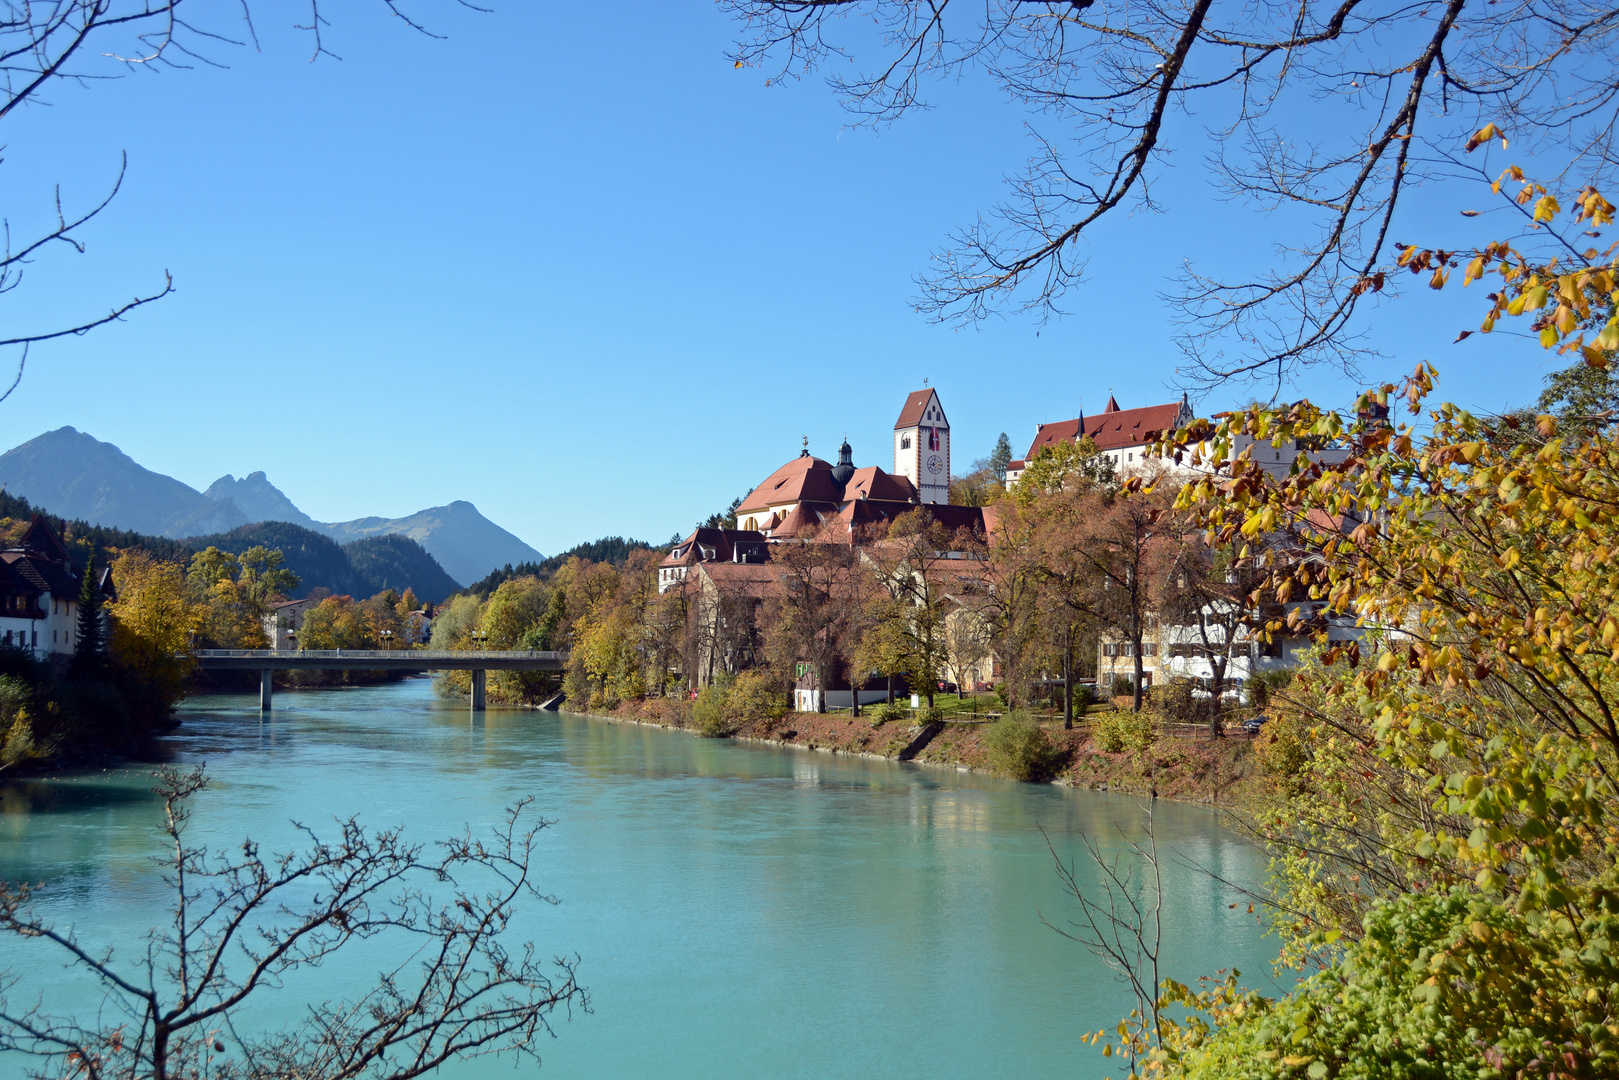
[{"x": 738, "y": 910}]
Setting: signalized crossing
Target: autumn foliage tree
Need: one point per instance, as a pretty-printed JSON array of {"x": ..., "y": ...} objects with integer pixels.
[{"x": 1444, "y": 820}]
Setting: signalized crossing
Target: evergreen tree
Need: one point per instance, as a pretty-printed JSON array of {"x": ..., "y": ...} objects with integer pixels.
[
  {"x": 1001, "y": 456},
  {"x": 91, "y": 635}
]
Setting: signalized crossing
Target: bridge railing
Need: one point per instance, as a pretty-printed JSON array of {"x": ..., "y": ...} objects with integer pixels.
[{"x": 378, "y": 654}]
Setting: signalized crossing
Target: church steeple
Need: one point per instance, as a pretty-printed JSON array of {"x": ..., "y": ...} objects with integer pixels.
[{"x": 922, "y": 446}]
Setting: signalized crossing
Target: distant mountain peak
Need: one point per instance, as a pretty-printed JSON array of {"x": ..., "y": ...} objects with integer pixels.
[
  {"x": 259, "y": 499},
  {"x": 75, "y": 475}
]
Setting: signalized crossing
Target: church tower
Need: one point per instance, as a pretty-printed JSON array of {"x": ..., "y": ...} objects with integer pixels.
[{"x": 922, "y": 446}]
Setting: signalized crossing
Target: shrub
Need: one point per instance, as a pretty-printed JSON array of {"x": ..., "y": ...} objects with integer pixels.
[
  {"x": 15, "y": 697},
  {"x": 1175, "y": 699},
  {"x": 757, "y": 698},
  {"x": 1083, "y": 696},
  {"x": 1409, "y": 999},
  {"x": 16, "y": 701},
  {"x": 711, "y": 713},
  {"x": 1017, "y": 747},
  {"x": 1004, "y": 692},
  {"x": 1263, "y": 686},
  {"x": 1122, "y": 686},
  {"x": 890, "y": 712},
  {"x": 929, "y": 714},
  {"x": 1122, "y": 730},
  {"x": 1281, "y": 752}
]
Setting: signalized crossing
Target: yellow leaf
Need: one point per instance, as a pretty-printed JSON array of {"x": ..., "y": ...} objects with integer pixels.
[
  {"x": 1546, "y": 207},
  {"x": 1475, "y": 270}
]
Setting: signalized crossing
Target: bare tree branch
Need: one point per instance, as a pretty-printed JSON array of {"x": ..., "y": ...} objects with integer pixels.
[
  {"x": 1324, "y": 112},
  {"x": 242, "y": 924}
]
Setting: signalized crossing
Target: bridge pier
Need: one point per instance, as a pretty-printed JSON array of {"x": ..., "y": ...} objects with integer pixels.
[
  {"x": 478, "y": 675},
  {"x": 264, "y": 689}
]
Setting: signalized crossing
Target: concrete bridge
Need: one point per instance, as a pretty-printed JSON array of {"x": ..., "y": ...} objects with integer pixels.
[{"x": 269, "y": 661}]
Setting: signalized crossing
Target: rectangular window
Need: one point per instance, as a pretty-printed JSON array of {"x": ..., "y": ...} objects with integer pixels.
[{"x": 1149, "y": 648}]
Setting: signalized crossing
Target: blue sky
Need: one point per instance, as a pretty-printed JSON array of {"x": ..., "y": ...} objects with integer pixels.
[{"x": 570, "y": 265}]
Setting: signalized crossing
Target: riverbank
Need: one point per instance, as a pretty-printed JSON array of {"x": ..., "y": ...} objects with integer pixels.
[{"x": 1186, "y": 768}]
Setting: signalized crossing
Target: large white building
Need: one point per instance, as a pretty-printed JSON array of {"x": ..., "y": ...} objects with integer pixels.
[
  {"x": 1123, "y": 436},
  {"x": 39, "y": 593}
]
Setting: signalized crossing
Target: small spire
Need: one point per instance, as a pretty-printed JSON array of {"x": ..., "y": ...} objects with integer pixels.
[{"x": 805, "y": 452}]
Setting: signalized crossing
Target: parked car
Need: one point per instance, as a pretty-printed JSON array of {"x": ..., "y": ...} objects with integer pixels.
[{"x": 1252, "y": 725}]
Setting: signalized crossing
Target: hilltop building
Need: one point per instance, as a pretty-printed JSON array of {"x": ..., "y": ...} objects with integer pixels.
[
  {"x": 1124, "y": 436},
  {"x": 39, "y": 593},
  {"x": 807, "y": 492}
]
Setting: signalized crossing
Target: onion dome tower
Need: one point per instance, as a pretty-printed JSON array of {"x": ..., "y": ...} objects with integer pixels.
[{"x": 845, "y": 466}]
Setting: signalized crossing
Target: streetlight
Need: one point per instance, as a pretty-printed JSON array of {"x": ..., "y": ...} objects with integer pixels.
[
  {"x": 387, "y": 638},
  {"x": 478, "y": 638}
]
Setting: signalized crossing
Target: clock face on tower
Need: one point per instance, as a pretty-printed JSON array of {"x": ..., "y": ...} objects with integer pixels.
[{"x": 935, "y": 464}]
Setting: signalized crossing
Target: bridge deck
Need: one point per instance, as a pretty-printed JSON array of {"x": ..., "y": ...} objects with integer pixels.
[{"x": 380, "y": 660}]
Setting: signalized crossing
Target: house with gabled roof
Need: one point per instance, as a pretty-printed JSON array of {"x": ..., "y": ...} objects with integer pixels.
[{"x": 39, "y": 592}]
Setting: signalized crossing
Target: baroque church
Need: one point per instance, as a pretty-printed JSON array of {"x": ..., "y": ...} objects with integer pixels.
[{"x": 808, "y": 493}]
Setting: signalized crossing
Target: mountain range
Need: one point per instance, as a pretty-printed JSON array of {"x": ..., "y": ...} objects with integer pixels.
[{"x": 76, "y": 475}]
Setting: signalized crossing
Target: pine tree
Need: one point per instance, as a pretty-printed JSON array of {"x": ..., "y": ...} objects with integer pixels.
[
  {"x": 1001, "y": 456},
  {"x": 90, "y": 629}
]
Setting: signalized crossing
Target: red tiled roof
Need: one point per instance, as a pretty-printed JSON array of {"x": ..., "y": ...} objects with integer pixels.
[
  {"x": 803, "y": 519},
  {"x": 801, "y": 478},
  {"x": 915, "y": 405},
  {"x": 872, "y": 483},
  {"x": 1110, "y": 430}
]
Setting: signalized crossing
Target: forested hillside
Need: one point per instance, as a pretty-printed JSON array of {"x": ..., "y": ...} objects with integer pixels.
[
  {"x": 359, "y": 569},
  {"x": 614, "y": 550}
]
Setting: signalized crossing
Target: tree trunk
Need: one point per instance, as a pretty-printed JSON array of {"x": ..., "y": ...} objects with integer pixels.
[
  {"x": 1217, "y": 692},
  {"x": 891, "y": 689},
  {"x": 820, "y": 686},
  {"x": 1068, "y": 682},
  {"x": 1136, "y": 698}
]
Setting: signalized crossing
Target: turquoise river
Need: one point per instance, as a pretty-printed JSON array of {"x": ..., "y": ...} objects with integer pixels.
[{"x": 738, "y": 910}]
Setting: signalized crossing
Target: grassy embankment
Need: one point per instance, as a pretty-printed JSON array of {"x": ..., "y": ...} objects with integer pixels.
[{"x": 1175, "y": 762}]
